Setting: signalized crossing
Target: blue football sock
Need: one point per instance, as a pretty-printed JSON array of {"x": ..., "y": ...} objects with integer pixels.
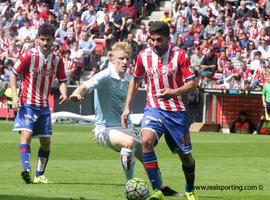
[
  {"x": 151, "y": 167},
  {"x": 43, "y": 157},
  {"x": 25, "y": 153},
  {"x": 189, "y": 172}
]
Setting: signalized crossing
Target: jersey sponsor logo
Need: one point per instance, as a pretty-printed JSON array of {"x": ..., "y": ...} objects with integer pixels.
[
  {"x": 164, "y": 71},
  {"x": 43, "y": 72}
]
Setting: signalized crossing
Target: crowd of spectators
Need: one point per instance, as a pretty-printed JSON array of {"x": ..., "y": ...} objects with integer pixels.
[
  {"x": 77, "y": 23},
  {"x": 227, "y": 40}
]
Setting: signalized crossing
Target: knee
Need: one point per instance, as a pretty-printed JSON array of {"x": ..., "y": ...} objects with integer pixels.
[
  {"x": 45, "y": 144},
  {"x": 147, "y": 144},
  {"x": 129, "y": 144},
  {"x": 187, "y": 159}
]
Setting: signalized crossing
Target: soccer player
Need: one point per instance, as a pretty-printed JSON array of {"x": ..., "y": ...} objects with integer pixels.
[
  {"x": 110, "y": 89},
  {"x": 168, "y": 78},
  {"x": 38, "y": 67}
]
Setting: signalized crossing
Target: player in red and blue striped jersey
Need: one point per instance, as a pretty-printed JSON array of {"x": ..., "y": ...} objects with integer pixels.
[
  {"x": 38, "y": 67},
  {"x": 168, "y": 75}
]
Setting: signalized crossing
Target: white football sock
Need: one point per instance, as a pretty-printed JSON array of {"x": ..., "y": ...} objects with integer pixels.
[{"x": 128, "y": 162}]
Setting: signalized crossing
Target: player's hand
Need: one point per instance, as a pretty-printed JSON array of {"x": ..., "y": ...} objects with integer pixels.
[
  {"x": 166, "y": 93},
  {"x": 15, "y": 103},
  {"x": 76, "y": 98},
  {"x": 63, "y": 98},
  {"x": 124, "y": 118}
]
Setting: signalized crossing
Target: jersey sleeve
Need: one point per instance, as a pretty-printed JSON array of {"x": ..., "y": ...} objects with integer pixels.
[
  {"x": 184, "y": 63},
  {"x": 22, "y": 64},
  {"x": 139, "y": 68},
  {"x": 61, "y": 75},
  {"x": 96, "y": 81}
]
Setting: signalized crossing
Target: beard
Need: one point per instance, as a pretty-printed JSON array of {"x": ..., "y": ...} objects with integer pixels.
[{"x": 160, "y": 51}]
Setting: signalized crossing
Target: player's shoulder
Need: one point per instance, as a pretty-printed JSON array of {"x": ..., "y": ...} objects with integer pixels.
[
  {"x": 103, "y": 75},
  {"x": 30, "y": 52},
  {"x": 181, "y": 53},
  {"x": 146, "y": 51}
]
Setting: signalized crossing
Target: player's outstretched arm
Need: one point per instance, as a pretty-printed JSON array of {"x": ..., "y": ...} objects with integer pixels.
[
  {"x": 78, "y": 94},
  {"x": 13, "y": 85},
  {"x": 132, "y": 90},
  {"x": 63, "y": 90}
]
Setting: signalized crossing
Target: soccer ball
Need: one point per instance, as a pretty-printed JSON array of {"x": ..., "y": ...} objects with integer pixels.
[{"x": 136, "y": 189}]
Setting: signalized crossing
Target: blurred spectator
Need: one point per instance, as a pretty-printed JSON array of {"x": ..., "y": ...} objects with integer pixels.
[
  {"x": 135, "y": 49},
  {"x": 198, "y": 27},
  {"x": 101, "y": 14},
  {"x": 243, "y": 11},
  {"x": 264, "y": 48},
  {"x": 45, "y": 11},
  {"x": 222, "y": 61},
  {"x": 209, "y": 64},
  {"x": 72, "y": 4},
  {"x": 62, "y": 32},
  {"x": 194, "y": 15},
  {"x": 73, "y": 13},
  {"x": 119, "y": 21},
  {"x": 211, "y": 29},
  {"x": 89, "y": 18},
  {"x": 181, "y": 26},
  {"x": 142, "y": 35},
  {"x": 130, "y": 14},
  {"x": 107, "y": 30},
  {"x": 88, "y": 46},
  {"x": 57, "y": 6},
  {"x": 107, "y": 62},
  {"x": 52, "y": 20},
  {"x": 190, "y": 39},
  {"x": 8, "y": 71},
  {"x": 201, "y": 7},
  {"x": 196, "y": 58},
  {"x": 173, "y": 35},
  {"x": 237, "y": 60},
  {"x": 166, "y": 17},
  {"x": 76, "y": 55},
  {"x": 70, "y": 67},
  {"x": 242, "y": 124},
  {"x": 27, "y": 31}
]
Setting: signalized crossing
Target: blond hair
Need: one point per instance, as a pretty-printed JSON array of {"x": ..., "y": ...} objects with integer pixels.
[{"x": 124, "y": 46}]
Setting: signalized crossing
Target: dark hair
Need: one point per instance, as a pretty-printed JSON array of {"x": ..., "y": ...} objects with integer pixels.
[
  {"x": 161, "y": 28},
  {"x": 46, "y": 30}
]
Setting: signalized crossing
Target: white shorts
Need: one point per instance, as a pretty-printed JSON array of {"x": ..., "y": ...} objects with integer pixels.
[{"x": 102, "y": 136}]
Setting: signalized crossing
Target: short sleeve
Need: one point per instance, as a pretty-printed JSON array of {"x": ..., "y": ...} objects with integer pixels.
[
  {"x": 61, "y": 75},
  {"x": 22, "y": 64},
  {"x": 96, "y": 80},
  {"x": 184, "y": 63},
  {"x": 139, "y": 68}
]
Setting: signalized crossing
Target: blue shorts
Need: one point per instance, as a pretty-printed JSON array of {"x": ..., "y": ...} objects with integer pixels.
[
  {"x": 174, "y": 124},
  {"x": 34, "y": 119}
]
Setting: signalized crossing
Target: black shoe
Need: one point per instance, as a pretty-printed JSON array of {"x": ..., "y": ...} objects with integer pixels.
[
  {"x": 170, "y": 192},
  {"x": 26, "y": 175}
]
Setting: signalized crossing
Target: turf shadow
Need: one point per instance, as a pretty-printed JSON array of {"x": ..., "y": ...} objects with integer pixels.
[
  {"x": 77, "y": 183},
  {"x": 19, "y": 197}
]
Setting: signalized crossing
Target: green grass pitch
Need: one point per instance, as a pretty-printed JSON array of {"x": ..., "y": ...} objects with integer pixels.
[{"x": 81, "y": 169}]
